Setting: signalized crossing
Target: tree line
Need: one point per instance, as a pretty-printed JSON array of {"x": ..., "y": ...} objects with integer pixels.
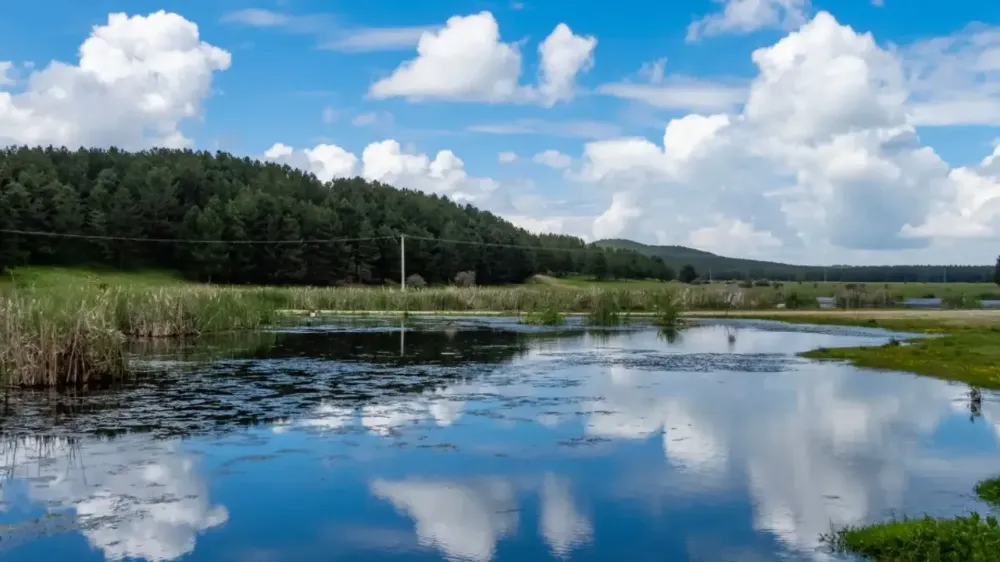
[{"x": 200, "y": 206}]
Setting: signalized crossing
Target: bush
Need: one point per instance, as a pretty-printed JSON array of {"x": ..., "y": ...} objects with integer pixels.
[
  {"x": 465, "y": 278},
  {"x": 416, "y": 281}
]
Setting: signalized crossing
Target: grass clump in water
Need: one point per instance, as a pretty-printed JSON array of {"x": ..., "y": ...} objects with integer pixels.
[
  {"x": 546, "y": 317},
  {"x": 668, "y": 311},
  {"x": 989, "y": 490},
  {"x": 605, "y": 310},
  {"x": 960, "y": 539}
]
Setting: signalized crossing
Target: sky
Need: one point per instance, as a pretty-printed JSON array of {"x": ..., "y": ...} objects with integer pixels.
[{"x": 855, "y": 131}]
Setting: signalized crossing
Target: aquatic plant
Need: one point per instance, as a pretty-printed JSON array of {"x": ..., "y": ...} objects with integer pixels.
[
  {"x": 545, "y": 317},
  {"x": 605, "y": 311},
  {"x": 959, "y": 539},
  {"x": 667, "y": 310}
]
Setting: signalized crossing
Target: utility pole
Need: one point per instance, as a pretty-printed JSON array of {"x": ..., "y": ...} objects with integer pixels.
[
  {"x": 946, "y": 274},
  {"x": 402, "y": 261}
]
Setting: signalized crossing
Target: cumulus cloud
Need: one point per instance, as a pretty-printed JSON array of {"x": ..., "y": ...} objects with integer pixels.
[
  {"x": 553, "y": 159},
  {"x": 745, "y": 16},
  {"x": 467, "y": 60},
  {"x": 326, "y": 161},
  {"x": 507, "y": 157},
  {"x": 823, "y": 155},
  {"x": 563, "y": 56},
  {"x": 137, "y": 80}
]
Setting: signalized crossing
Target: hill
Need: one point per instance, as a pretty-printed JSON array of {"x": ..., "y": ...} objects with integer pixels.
[
  {"x": 216, "y": 217},
  {"x": 726, "y": 268}
]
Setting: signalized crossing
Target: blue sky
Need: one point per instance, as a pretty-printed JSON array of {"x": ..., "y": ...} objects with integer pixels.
[{"x": 886, "y": 160}]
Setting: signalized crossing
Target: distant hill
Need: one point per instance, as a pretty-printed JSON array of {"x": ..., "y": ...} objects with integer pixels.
[{"x": 722, "y": 267}]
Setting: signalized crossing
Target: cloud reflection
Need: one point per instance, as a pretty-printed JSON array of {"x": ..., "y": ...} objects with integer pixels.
[{"x": 131, "y": 498}]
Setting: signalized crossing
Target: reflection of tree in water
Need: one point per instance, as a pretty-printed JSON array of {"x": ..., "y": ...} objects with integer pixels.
[
  {"x": 975, "y": 403},
  {"x": 445, "y": 347},
  {"x": 277, "y": 377}
]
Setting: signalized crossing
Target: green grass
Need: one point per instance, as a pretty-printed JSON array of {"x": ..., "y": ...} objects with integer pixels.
[
  {"x": 989, "y": 490},
  {"x": 960, "y": 539},
  {"x": 55, "y": 277}
]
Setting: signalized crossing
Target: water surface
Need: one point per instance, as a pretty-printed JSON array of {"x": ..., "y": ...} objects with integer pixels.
[{"x": 477, "y": 439}]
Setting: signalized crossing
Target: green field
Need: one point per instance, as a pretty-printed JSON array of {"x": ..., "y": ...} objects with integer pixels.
[{"x": 56, "y": 277}]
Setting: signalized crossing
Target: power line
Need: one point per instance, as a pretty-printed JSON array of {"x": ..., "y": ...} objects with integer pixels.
[{"x": 189, "y": 240}]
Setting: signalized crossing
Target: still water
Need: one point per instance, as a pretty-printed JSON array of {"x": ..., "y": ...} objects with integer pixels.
[{"x": 481, "y": 440}]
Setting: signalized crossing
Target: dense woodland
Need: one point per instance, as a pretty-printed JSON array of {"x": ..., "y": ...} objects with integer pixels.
[
  {"x": 177, "y": 197},
  {"x": 726, "y": 268}
]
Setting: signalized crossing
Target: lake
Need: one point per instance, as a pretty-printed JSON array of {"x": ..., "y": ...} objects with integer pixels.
[{"x": 479, "y": 440}]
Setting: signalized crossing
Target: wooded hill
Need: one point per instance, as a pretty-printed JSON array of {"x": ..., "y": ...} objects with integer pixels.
[
  {"x": 721, "y": 267},
  {"x": 264, "y": 223}
]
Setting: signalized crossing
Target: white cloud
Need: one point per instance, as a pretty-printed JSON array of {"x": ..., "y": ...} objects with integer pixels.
[
  {"x": 745, "y": 16},
  {"x": 467, "y": 60},
  {"x": 823, "y": 156},
  {"x": 326, "y": 161},
  {"x": 370, "y": 118},
  {"x": 464, "y": 60},
  {"x": 654, "y": 72},
  {"x": 370, "y": 39},
  {"x": 563, "y": 56},
  {"x": 137, "y": 80},
  {"x": 256, "y": 17},
  {"x": 955, "y": 80},
  {"x": 444, "y": 175},
  {"x": 585, "y": 129},
  {"x": 5, "y": 73},
  {"x": 972, "y": 209},
  {"x": 553, "y": 159},
  {"x": 506, "y": 157},
  {"x": 679, "y": 93},
  {"x": 330, "y": 32}
]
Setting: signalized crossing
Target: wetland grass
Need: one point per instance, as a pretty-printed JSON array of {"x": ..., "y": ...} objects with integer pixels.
[{"x": 971, "y": 538}]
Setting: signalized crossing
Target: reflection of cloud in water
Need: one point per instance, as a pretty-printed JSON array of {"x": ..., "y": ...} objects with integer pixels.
[
  {"x": 444, "y": 406},
  {"x": 465, "y": 520},
  {"x": 562, "y": 525},
  {"x": 462, "y": 520},
  {"x": 631, "y": 411},
  {"x": 133, "y": 498}
]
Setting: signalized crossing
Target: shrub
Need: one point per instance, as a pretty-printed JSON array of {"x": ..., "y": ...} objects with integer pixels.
[
  {"x": 465, "y": 278},
  {"x": 416, "y": 281}
]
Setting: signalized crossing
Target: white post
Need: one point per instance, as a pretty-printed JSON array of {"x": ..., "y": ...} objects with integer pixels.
[{"x": 402, "y": 261}]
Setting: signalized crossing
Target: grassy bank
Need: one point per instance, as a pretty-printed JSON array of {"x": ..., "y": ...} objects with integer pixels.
[
  {"x": 958, "y": 539},
  {"x": 963, "y": 345}
]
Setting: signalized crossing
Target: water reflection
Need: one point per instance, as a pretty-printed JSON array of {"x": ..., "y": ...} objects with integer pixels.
[
  {"x": 716, "y": 444},
  {"x": 129, "y": 498}
]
